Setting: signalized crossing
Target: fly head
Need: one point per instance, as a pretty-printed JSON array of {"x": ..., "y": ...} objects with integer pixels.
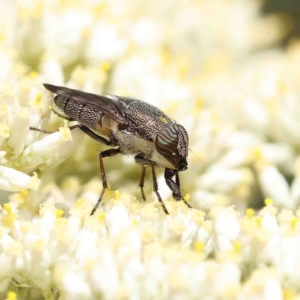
[{"x": 172, "y": 143}]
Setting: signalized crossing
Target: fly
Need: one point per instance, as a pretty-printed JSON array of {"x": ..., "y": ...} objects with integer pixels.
[{"x": 131, "y": 127}]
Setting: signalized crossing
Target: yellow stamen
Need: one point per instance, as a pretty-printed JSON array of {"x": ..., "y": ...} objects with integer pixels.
[
  {"x": 9, "y": 218},
  {"x": 79, "y": 203},
  {"x": 294, "y": 221},
  {"x": 59, "y": 213},
  {"x": 237, "y": 246},
  {"x": 37, "y": 100},
  {"x": 117, "y": 195},
  {"x": 101, "y": 216},
  {"x": 250, "y": 212},
  {"x": 187, "y": 197},
  {"x": 135, "y": 222},
  {"x": 258, "y": 221},
  {"x": 105, "y": 67},
  {"x": 11, "y": 295},
  {"x": 268, "y": 201},
  {"x": 33, "y": 74},
  {"x": 199, "y": 246}
]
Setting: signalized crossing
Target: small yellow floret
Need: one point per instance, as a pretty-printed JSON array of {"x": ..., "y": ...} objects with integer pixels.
[
  {"x": 237, "y": 246},
  {"x": 37, "y": 100},
  {"x": 199, "y": 105},
  {"x": 8, "y": 209},
  {"x": 257, "y": 153},
  {"x": 59, "y": 213},
  {"x": 105, "y": 67},
  {"x": 135, "y": 222},
  {"x": 165, "y": 54},
  {"x": 33, "y": 74},
  {"x": 187, "y": 197},
  {"x": 50, "y": 107},
  {"x": 288, "y": 295},
  {"x": 250, "y": 212},
  {"x": 98, "y": 9},
  {"x": 268, "y": 201},
  {"x": 11, "y": 295},
  {"x": 117, "y": 195},
  {"x": 281, "y": 87},
  {"x": 79, "y": 203},
  {"x": 294, "y": 221},
  {"x": 8, "y": 220},
  {"x": 101, "y": 216},
  {"x": 199, "y": 246},
  {"x": 258, "y": 221}
]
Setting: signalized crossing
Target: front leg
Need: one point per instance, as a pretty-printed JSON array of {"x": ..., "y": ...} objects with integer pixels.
[
  {"x": 144, "y": 162},
  {"x": 175, "y": 186}
]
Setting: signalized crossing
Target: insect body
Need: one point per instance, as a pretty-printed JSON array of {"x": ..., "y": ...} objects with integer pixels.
[{"x": 133, "y": 127}]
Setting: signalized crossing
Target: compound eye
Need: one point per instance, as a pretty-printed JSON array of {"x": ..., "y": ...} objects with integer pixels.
[{"x": 166, "y": 142}]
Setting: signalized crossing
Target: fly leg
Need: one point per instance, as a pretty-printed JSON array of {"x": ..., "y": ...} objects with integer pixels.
[
  {"x": 106, "y": 153},
  {"x": 144, "y": 162},
  {"x": 49, "y": 132},
  {"x": 175, "y": 186},
  {"x": 85, "y": 129},
  {"x": 141, "y": 184}
]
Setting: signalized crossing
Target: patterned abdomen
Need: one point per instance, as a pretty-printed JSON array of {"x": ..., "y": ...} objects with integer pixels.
[{"x": 88, "y": 115}]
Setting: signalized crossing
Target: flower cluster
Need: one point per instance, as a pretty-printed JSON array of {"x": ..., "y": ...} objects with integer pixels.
[{"x": 208, "y": 65}]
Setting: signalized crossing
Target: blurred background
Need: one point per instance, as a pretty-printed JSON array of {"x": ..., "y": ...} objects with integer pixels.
[{"x": 227, "y": 70}]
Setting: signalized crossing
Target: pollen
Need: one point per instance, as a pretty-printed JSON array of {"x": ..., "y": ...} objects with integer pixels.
[
  {"x": 165, "y": 54},
  {"x": 98, "y": 9},
  {"x": 281, "y": 87},
  {"x": 198, "y": 246},
  {"x": 199, "y": 105},
  {"x": 24, "y": 193},
  {"x": 101, "y": 216},
  {"x": 117, "y": 195},
  {"x": 11, "y": 296},
  {"x": 105, "y": 67},
  {"x": 10, "y": 217},
  {"x": 294, "y": 222},
  {"x": 250, "y": 212},
  {"x": 59, "y": 213},
  {"x": 33, "y": 74},
  {"x": 135, "y": 221},
  {"x": 37, "y": 100},
  {"x": 268, "y": 202},
  {"x": 258, "y": 221},
  {"x": 288, "y": 294},
  {"x": 237, "y": 246},
  {"x": 257, "y": 153},
  {"x": 79, "y": 203},
  {"x": 187, "y": 197}
]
